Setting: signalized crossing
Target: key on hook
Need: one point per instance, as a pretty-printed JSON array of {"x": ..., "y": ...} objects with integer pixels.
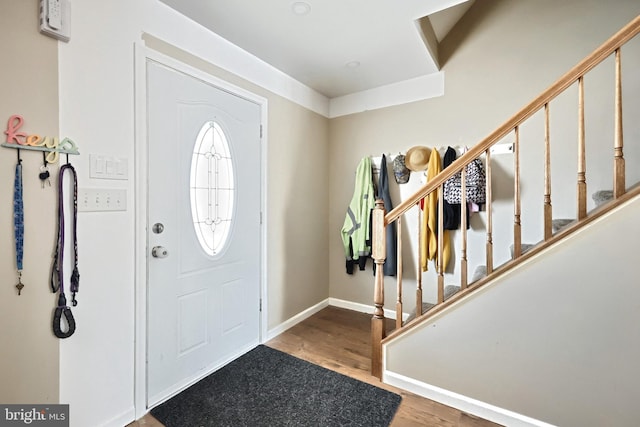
[{"x": 45, "y": 176}]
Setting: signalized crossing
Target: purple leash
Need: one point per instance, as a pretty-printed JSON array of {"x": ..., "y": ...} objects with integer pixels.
[{"x": 57, "y": 271}]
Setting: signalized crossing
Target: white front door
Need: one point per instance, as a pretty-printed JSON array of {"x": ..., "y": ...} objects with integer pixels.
[{"x": 203, "y": 229}]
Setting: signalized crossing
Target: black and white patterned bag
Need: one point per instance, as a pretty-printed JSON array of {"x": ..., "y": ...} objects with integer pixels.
[{"x": 475, "y": 183}]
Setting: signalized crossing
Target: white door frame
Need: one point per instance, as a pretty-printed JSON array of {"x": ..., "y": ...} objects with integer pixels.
[{"x": 142, "y": 54}]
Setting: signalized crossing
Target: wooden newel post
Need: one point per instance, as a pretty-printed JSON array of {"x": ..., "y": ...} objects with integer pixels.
[{"x": 378, "y": 252}]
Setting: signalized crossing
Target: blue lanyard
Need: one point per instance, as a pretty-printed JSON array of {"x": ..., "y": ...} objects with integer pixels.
[{"x": 18, "y": 220}]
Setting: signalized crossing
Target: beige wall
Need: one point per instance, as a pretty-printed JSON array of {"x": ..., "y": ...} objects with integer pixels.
[
  {"x": 497, "y": 59},
  {"x": 29, "y": 75},
  {"x": 297, "y": 196}
]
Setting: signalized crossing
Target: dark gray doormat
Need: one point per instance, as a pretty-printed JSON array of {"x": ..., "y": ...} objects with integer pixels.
[{"x": 267, "y": 387}]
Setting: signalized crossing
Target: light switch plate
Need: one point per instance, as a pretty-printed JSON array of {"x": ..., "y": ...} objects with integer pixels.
[
  {"x": 102, "y": 199},
  {"x": 108, "y": 167}
]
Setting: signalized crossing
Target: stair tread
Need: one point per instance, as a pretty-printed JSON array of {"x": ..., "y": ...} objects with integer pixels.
[
  {"x": 560, "y": 223},
  {"x": 602, "y": 196},
  {"x": 479, "y": 273},
  {"x": 599, "y": 197},
  {"x": 449, "y": 291},
  {"x": 524, "y": 247}
]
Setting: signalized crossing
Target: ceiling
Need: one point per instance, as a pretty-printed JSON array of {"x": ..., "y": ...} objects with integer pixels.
[{"x": 337, "y": 47}]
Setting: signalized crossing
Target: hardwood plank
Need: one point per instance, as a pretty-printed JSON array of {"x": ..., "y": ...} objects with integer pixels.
[
  {"x": 340, "y": 340},
  {"x": 345, "y": 334}
]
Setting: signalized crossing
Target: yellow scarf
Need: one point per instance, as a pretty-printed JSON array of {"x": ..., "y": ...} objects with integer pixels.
[{"x": 429, "y": 232}]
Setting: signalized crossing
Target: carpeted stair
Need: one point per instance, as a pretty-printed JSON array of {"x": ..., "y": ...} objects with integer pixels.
[
  {"x": 602, "y": 196},
  {"x": 599, "y": 197},
  {"x": 449, "y": 291}
]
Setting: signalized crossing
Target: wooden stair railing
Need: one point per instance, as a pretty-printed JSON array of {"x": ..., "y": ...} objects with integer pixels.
[{"x": 381, "y": 219}]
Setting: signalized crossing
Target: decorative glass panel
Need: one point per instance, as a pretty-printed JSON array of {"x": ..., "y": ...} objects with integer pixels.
[{"x": 212, "y": 188}]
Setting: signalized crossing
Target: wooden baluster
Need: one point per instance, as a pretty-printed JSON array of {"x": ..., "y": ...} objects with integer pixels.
[
  {"x": 618, "y": 157},
  {"x": 582, "y": 161},
  {"x": 419, "y": 265},
  {"x": 489, "y": 246},
  {"x": 399, "y": 273},
  {"x": 548, "y": 212},
  {"x": 379, "y": 253},
  {"x": 440, "y": 259},
  {"x": 517, "y": 228},
  {"x": 463, "y": 226}
]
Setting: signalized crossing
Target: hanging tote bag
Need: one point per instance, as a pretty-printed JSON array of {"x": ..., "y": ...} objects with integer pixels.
[{"x": 475, "y": 183}]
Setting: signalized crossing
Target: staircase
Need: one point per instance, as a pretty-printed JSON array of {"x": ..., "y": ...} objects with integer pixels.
[
  {"x": 600, "y": 197},
  {"x": 554, "y": 229}
]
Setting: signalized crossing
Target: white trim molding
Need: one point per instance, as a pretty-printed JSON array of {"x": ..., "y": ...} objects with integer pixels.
[
  {"x": 417, "y": 89},
  {"x": 334, "y": 302},
  {"x": 274, "y": 332},
  {"x": 121, "y": 420},
  {"x": 364, "y": 308},
  {"x": 463, "y": 403},
  {"x": 166, "y": 24}
]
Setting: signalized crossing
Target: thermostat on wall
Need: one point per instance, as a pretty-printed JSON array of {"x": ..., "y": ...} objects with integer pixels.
[{"x": 55, "y": 19}]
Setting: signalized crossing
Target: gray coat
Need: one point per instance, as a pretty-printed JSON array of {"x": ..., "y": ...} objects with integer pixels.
[{"x": 390, "y": 264}]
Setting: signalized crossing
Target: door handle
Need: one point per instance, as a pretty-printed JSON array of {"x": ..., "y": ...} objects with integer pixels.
[{"x": 159, "y": 252}]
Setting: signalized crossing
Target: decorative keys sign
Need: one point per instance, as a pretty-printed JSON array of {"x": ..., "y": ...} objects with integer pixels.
[{"x": 21, "y": 140}]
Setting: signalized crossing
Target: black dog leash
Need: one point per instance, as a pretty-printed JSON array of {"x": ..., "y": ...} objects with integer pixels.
[{"x": 57, "y": 273}]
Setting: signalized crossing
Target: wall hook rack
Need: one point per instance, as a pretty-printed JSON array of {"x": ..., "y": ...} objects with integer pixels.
[{"x": 22, "y": 141}]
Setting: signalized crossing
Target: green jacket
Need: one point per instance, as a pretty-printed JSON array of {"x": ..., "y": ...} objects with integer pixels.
[{"x": 356, "y": 230}]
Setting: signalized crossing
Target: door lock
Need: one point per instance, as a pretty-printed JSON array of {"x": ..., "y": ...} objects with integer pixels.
[{"x": 159, "y": 252}]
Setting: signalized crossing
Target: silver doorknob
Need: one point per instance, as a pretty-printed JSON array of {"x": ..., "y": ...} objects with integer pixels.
[{"x": 159, "y": 252}]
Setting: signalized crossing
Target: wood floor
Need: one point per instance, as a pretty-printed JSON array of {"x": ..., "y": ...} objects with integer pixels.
[{"x": 338, "y": 339}]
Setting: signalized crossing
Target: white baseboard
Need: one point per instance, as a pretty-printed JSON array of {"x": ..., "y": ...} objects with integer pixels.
[
  {"x": 274, "y": 332},
  {"x": 122, "y": 419},
  {"x": 364, "y": 308},
  {"x": 463, "y": 403},
  {"x": 349, "y": 305}
]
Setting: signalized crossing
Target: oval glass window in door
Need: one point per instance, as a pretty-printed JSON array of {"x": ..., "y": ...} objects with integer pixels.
[{"x": 212, "y": 188}]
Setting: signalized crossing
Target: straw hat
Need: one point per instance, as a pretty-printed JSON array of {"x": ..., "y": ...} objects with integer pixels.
[{"x": 417, "y": 158}]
